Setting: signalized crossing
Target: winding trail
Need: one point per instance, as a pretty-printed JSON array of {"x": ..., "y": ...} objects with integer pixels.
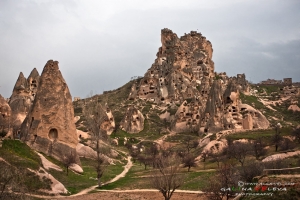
[
  {"x": 124, "y": 172},
  {"x": 161, "y": 140}
]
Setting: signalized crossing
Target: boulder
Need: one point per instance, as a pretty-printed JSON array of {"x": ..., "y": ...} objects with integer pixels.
[{"x": 133, "y": 121}]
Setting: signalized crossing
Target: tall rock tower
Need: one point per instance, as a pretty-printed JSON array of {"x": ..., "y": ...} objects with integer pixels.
[
  {"x": 22, "y": 98},
  {"x": 49, "y": 125}
]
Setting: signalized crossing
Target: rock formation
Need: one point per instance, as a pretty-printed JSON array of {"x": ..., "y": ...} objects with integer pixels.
[
  {"x": 183, "y": 73},
  {"x": 133, "y": 121},
  {"x": 183, "y": 69},
  {"x": 5, "y": 114},
  {"x": 49, "y": 125},
  {"x": 22, "y": 98}
]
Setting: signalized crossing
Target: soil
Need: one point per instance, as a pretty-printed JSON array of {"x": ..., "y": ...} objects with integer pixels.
[{"x": 136, "y": 195}]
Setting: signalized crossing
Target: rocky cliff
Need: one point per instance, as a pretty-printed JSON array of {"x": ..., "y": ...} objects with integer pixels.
[
  {"x": 49, "y": 125},
  {"x": 5, "y": 114},
  {"x": 183, "y": 73},
  {"x": 22, "y": 98}
]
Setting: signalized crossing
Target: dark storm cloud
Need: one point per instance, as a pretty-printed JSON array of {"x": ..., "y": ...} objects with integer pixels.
[{"x": 100, "y": 45}]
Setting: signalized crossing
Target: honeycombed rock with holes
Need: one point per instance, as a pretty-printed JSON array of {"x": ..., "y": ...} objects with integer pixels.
[
  {"x": 183, "y": 73},
  {"x": 49, "y": 125}
]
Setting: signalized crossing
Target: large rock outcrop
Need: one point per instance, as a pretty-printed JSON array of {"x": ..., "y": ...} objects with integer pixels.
[
  {"x": 49, "y": 125},
  {"x": 183, "y": 69},
  {"x": 183, "y": 73},
  {"x": 133, "y": 121},
  {"x": 5, "y": 114},
  {"x": 22, "y": 98}
]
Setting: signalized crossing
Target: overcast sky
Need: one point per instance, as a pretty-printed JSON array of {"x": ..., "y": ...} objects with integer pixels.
[{"x": 101, "y": 44}]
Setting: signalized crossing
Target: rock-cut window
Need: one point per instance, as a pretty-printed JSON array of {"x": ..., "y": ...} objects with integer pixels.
[{"x": 53, "y": 134}]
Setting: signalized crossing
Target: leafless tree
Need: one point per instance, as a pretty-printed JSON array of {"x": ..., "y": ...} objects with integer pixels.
[
  {"x": 286, "y": 144},
  {"x": 277, "y": 138},
  {"x": 168, "y": 179},
  {"x": 145, "y": 159},
  {"x": 189, "y": 161},
  {"x": 68, "y": 160},
  {"x": 239, "y": 151},
  {"x": 217, "y": 156},
  {"x": 219, "y": 186},
  {"x": 96, "y": 117},
  {"x": 296, "y": 133},
  {"x": 250, "y": 170},
  {"x": 190, "y": 143},
  {"x": 258, "y": 148}
]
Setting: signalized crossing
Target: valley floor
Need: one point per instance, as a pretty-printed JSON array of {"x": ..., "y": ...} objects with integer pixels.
[{"x": 135, "y": 195}]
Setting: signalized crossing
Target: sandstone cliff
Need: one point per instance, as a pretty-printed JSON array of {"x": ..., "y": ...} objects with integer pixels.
[
  {"x": 5, "y": 114},
  {"x": 49, "y": 125},
  {"x": 133, "y": 121},
  {"x": 22, "y": 98},
  {"x": 183, "y": 73}
]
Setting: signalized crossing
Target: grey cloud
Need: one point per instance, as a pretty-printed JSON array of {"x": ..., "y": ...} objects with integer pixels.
[{"x": 101, "y": 44}]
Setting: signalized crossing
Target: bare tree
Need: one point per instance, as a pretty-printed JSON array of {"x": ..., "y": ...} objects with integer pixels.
[
  {"x": 168, "y": 179},
  {"x": 189, "y": 161},
  {"x": 68, "y": 160},
  {"x": 219, "y": 186},
  {"x": 296, "y": 133},
  {"x": 258, "y": 148},
  {"x": 217, "y": 156},
  {"x": 96, "y": 117},
  {"x": 286, "y": 144},
  {"x": 145, "y": 159},
  {"x": 190, "y": 143},
  {"x": 239, "y": 151},
  {"x": 277, "y": 138}
]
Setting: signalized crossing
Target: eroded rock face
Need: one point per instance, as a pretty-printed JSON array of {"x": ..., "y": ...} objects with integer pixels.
[
  {"x": 22, "y": 98},
  {"x": 5, "y": 114},
  {"x": 183, "y": 73},
  {"x": 49, "y": 126},
  {"x": 108, "y": 122},
  {"x": 133, "y": 121},
  {"x": 183, "y": 69}
]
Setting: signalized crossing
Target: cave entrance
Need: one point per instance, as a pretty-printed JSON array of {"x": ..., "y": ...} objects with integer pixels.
[{"x": 53, "y": 134}]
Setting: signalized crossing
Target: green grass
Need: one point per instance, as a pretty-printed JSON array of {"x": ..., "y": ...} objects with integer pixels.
[
  {"x": 252, "y": 101},
  {"x": 19, "y": 154},
  {"x": 131, "y": 180},
  {"x": 75, "y": 182},
  {"x": 266, "y": 135},
  {"x": 197, "y": 180},
  {"x": 146, "y": 134},
  {"x": 139, "y": 178}
]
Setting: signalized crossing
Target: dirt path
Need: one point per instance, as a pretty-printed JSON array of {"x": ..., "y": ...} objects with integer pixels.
[
  {"x": 281, "y": 156},
  {"x": 124, "y": 172},
  {"x": 152, "y": 190},
  {"x": 138, "y": 195},
  {"x": 161, "y": 140}
]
